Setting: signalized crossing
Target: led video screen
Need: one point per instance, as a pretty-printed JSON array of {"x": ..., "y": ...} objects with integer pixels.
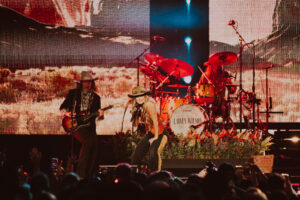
[
  {"x": 45, "y": 45},
  {"x": 271, "y": 29}
]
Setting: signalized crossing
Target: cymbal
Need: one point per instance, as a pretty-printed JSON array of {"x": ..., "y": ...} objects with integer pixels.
[
  {"x": 223, "y": 58},
  {"x": 178, "y": 86},
  {"x": 176, "y": 67},
  {"x": 153, "y": 74},
  {"x": 154, "y": 58}
]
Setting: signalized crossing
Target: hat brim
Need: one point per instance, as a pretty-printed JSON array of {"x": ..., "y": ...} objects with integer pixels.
[
  {"x": 88, "y": 79},
  {"x": 139, "y": 95}
]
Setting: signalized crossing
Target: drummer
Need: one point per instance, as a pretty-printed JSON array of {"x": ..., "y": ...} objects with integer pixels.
[
  {"x": 220, "y": 80},
  {"x": 217, "y": 77}
]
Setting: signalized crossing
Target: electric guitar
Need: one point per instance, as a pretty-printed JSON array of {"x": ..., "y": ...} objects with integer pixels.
[{"x": 71, "y": 125}]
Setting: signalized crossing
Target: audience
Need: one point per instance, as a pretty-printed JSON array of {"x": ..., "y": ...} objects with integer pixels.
[{"x": 219, "y": 183}]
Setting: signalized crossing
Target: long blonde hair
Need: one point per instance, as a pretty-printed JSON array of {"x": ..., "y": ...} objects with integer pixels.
[{"x": 134, "y": 103}]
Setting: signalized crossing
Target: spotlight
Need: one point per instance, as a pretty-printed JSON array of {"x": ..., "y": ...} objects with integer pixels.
[
  {"x": 188, "y": 2},
  {"x": 294, "y": 139},
  {"x": 187, "y": 79},
  {"x": 188, "y": 40}
]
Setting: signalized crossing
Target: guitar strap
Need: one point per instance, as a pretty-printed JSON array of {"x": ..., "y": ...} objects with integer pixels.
[
  {"x": 90, "y": 103},
  {"x": 74, "y": 106}
]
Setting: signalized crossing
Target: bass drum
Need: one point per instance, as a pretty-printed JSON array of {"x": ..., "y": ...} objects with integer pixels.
[
  {"x": 168, "y": 105},
  {"x": 185, "y": 116}
]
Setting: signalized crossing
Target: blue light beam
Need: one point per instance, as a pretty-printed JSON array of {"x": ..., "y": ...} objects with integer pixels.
[
  {"x": 187, "y": 79},
  {"x": 188, "y": 7},
  {"x": 188, "y": 40}
]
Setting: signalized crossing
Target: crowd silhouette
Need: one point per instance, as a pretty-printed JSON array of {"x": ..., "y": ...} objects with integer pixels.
[{"x": 126, "y": 182}]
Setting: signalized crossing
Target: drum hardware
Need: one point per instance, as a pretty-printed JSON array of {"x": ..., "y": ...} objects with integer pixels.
[
  {"x": 150, "y": 56},
  {"x": 167, "y": 92},
  {"x": 152, "y": 70},
  {"x": 178, "y": 86},
  {"x": 209, "y": 123},
  {"x": 193, "y": 127},
  {"x": 162, "y": 82},
  {"x": 242, "y": 40},
  {"x": 188, "y": 95},
  {"x": 268, "y": 99},
  {"x": 205, "y": 94}
]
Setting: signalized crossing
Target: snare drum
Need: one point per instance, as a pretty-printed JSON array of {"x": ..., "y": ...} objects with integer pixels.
[
  {"x": 204, "y": 94},
  {"x": 185, "y": 116}
]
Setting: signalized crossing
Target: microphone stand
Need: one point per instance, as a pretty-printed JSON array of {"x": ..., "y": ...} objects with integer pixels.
[
  {"x": 124, "y": 115},
  {"x": 253, "y": 87},
  {"x": 73, "y": 128},
  {"x": 267, "y": 101},
  {"x": 241, "y": 39},
  {"x": 137, "y": 59}
]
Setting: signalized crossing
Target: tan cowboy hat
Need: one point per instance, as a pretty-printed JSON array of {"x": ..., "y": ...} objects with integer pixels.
[
  {"x": 139, "y": 91},
  {"x": 86, "y": 76}
]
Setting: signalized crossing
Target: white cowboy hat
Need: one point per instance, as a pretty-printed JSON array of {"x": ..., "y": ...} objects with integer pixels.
[{"x": 139, "y": 91}]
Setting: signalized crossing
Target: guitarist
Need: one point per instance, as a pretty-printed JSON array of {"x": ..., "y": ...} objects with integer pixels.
[
  {"x": 83, "y": 99},
  {"x": 155, "y": 137}
]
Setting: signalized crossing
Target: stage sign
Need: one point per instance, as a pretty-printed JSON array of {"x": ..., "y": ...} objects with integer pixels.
[{"x": 264, "y": 162}]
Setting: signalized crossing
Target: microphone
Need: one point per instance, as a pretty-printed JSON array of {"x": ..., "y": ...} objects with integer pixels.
[
  {"x": 231, "y": 23},
  {"x": 269, "y": 66},
  {"x": 234, "y": 76},
  {"x": 158, "y": 38}
]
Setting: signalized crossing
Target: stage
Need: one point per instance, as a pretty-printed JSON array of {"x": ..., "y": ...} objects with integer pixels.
[
  {"x": 203, "y": 81},
  {"x": 18, "y": 147}
]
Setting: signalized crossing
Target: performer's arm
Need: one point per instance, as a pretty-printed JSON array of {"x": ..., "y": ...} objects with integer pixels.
[
  {"x": 68, "y": 102},
  {"x": 206, "y": 76},
  {"x": 98, "y": 106}
]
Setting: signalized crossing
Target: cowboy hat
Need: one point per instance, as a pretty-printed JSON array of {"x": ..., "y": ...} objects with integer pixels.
[
  {"x": 86, "y": 76},
  {"x": 139, "y": 91}
]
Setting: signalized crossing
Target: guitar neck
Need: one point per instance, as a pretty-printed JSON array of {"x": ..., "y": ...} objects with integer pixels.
[
  {"x": 106, "y": 108},
  {"x": 94, "y": 114}
]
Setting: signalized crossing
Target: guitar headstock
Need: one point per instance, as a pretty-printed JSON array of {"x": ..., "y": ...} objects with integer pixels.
[
  {"x": 116, "y": 105},
  {"x": 112, "y": 106}
]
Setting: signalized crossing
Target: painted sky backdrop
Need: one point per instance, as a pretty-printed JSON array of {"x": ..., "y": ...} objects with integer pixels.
[{"x": 254, "y": 19}]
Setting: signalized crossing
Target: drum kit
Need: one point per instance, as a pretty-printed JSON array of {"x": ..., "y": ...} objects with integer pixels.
[{"x": 199, "y": 107}]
